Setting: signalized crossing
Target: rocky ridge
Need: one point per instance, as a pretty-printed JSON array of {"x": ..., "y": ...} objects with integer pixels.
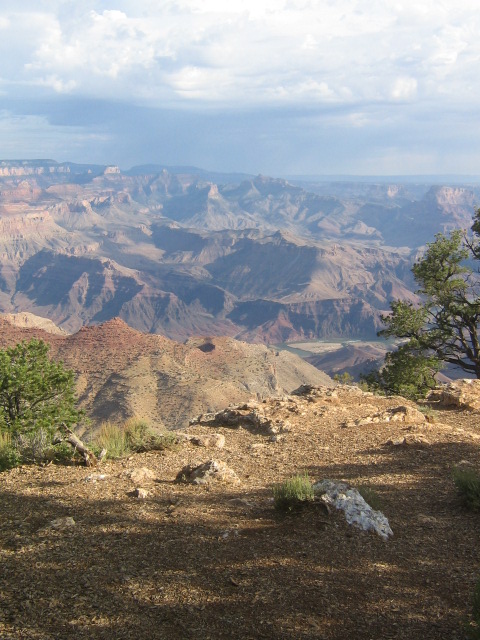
[{"x": 122, "y": 373}]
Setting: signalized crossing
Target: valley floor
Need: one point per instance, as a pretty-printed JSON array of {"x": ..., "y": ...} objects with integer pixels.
[{"x": 214, "y": 562}]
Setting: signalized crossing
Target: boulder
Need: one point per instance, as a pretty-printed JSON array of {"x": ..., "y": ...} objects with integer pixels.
[
  {"x": 207, "y": 472},
  {"x": 357, "y": 512}
]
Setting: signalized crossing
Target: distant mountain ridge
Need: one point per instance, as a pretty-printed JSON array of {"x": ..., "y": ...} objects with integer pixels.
[{"x": 181, "y": 254}]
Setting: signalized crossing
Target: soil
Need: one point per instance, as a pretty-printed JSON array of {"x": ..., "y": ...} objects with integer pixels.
[{"x": 217, "y": 561}]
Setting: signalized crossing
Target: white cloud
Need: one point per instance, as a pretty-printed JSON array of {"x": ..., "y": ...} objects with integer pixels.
[
  {"x": 359, "y": 61},
  {"x": 404, "y": 88},
  {"x": 251, "y": 52}
]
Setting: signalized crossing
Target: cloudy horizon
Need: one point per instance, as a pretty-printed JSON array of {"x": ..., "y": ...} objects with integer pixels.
[{"x": 272, "y": 86}]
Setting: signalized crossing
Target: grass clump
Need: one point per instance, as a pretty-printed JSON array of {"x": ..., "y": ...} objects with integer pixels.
[
  {"x": 293, "y": 493},
  {"x": 134, "y": 436},
  {"x": 112, "y": 438},
  {"x": 467, "y": 482},
  {"x": 142, "y": 437}
]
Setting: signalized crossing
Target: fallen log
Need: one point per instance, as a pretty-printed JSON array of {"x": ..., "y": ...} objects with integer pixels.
[{"x": 89, "y": 457}]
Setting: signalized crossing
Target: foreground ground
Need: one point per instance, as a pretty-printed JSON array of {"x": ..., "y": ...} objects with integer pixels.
[{"x": 216, "y": 561}]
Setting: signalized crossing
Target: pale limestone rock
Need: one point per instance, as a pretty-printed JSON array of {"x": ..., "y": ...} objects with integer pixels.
[
  {"x": 397, "y": 414},
  {"x": 357, "y": 512},
  {"x": 464, "y": 394}
]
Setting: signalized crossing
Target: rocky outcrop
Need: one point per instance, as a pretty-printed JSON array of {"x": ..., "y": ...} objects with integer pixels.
[{"x": 464, "y": 394}]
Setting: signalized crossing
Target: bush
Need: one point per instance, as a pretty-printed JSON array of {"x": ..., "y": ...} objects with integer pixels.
[
  {"x": 36, "y": 393},
  {"x": 9, "y": 456},
  {"x": 344, "y": 378},
  {"x": 33, "y": 447},
  {"x": 467, "y": 482},
  {"x": 293, "y": 493}
]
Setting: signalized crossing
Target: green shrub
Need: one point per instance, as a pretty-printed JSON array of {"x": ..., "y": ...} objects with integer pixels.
[
  {"x": 467, "y": 482},
  {"x": 36, "y": 393},
  {"x": 293, "y": 493},
  {"x": 9, "y": 456},
  {"x": 63, "y": 453},
  {"x": 344, "y": 378}
]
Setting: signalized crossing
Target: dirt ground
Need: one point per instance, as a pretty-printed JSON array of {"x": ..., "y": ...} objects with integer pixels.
[{"x": 217, "y": 561}]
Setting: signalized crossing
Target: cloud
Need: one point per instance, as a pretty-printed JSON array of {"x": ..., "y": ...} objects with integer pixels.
[
  {"x": 349, "y": 75},
  {"x": 250, "y": 52}
]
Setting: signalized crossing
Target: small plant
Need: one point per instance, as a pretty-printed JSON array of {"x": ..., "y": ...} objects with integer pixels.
[
  {"x": 467, "y": 482},
  {"x": 112, "y": 438},
  {"x": 370, "y": 496},
  {"x": 9, "y": 456},
  {"x": 62, "y": 453},
  {"x": 35, "y": 446},
  {"x": 293, "y": 493}
]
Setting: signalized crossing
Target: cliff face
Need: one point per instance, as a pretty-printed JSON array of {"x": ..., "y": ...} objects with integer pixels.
[{"x": 177, "y": 254}]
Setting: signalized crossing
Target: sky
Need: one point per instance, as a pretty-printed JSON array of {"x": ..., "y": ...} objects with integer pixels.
[{"x": 279, "y": 87}]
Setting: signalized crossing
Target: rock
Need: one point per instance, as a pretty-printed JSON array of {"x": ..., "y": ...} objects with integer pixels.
[
  {"x": 464, "y": 394},
  {"x": 140, "y": 493},
  {"x": 216, "y": 440},
  {"x": 249, "y": 416},
  {"x": 59, "y": 524},
  {"x": 209, "y": 471},
  {"x": 409, "y": 439},
  {"x": 140, "y": 475},
  {"x": 397, "y": 414},
  {"x": 96, "y": 477},
  {"x": 357, "y": 512}
]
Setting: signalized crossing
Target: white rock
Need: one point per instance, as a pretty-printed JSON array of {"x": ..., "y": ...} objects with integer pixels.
[
  {"x": 61, "y": 523},
  {"x": 357, "y": 512}
]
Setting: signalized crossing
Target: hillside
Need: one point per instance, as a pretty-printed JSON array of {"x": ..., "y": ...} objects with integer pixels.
[
  {"x": 216, "y": 561},
  {"x": 121, "y": 372}
]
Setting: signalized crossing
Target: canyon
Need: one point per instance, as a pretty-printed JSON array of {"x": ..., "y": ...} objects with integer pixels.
[{"x": 182, "y": 252}]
